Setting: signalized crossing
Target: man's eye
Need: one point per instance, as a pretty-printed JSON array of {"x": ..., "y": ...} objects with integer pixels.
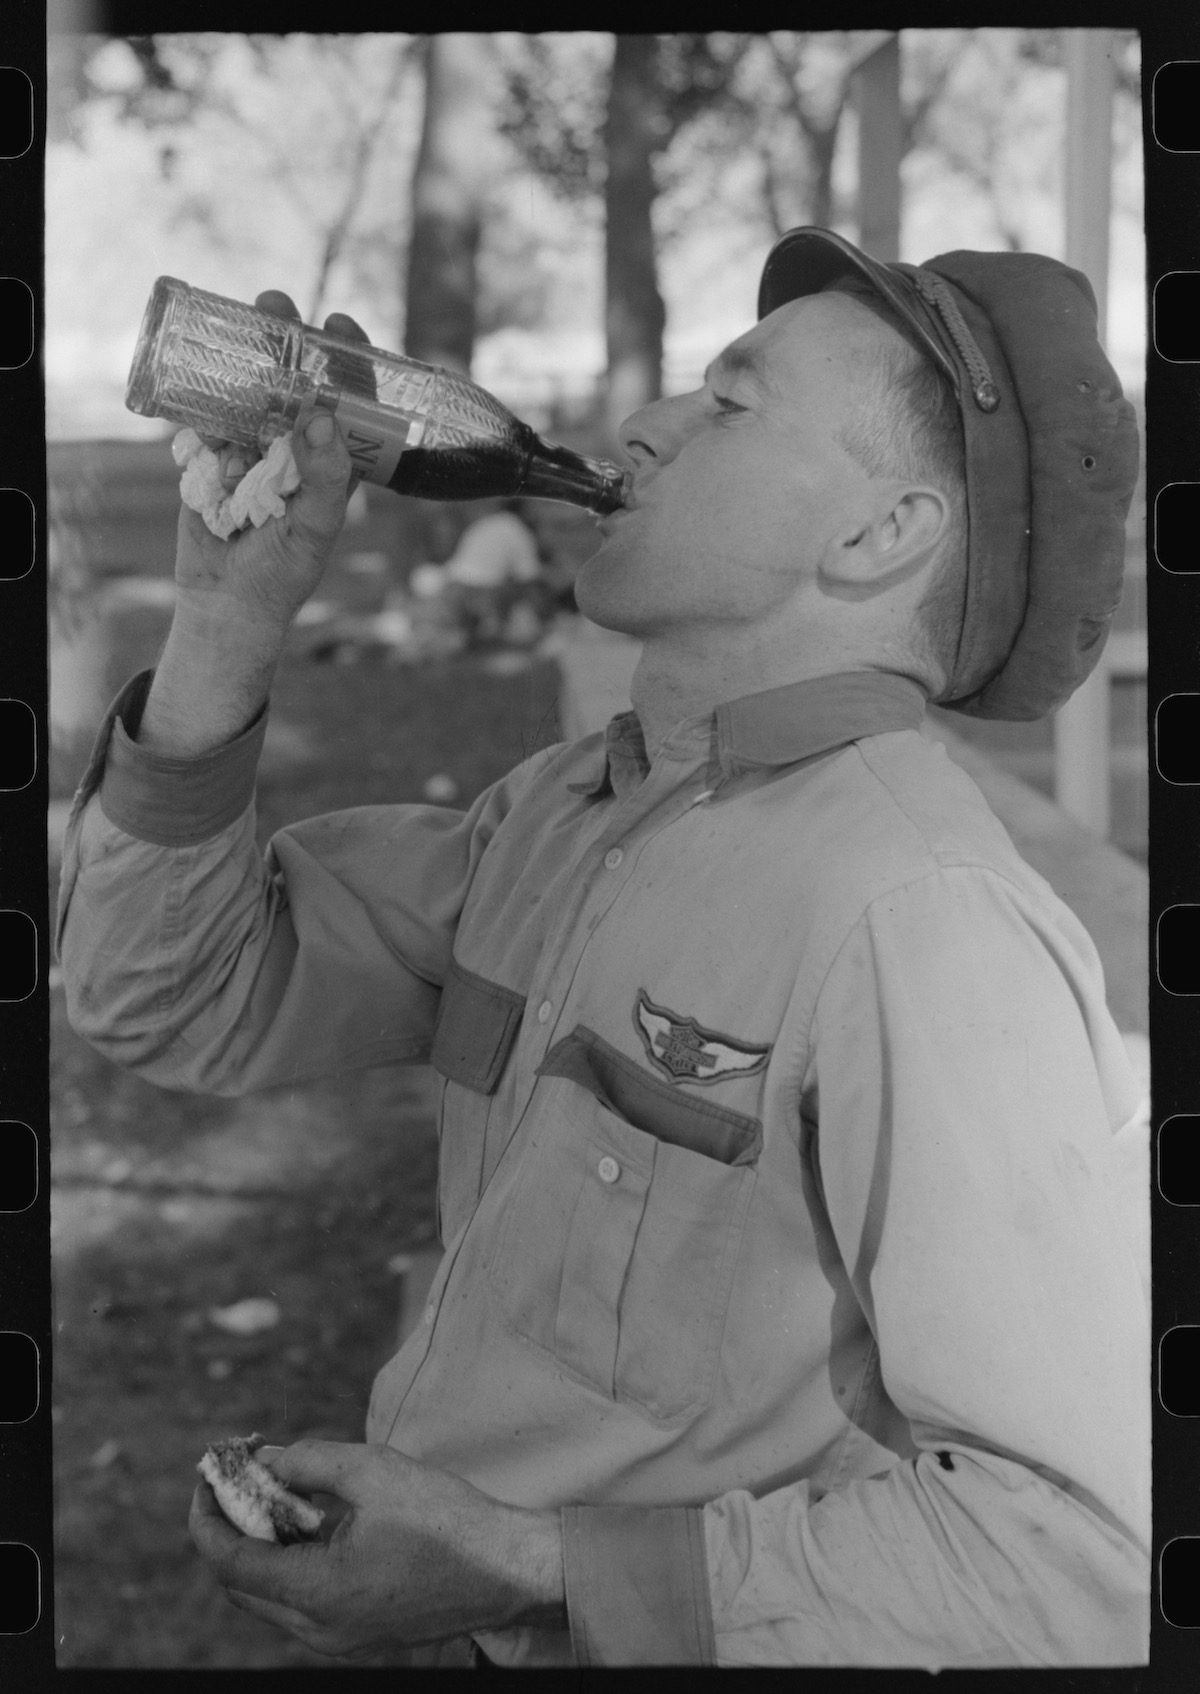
[{"x": 725, "y": 406}]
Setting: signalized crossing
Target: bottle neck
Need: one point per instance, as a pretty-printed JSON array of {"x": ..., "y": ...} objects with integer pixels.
[{"x": 558, "y": 473}]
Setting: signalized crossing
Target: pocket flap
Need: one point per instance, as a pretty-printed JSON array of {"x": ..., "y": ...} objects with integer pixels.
[
  {"x": 656, "y": 1107},
  {"x": 477, "y": 1024}
]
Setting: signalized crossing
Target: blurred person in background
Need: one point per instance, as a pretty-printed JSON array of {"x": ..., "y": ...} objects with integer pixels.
[
  {"x": 496, "y": 583},
  {"x": 495, "y": 568},
  {"x": 789, "y": 1312}
]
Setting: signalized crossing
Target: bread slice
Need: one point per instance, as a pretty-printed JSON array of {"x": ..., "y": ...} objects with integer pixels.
[{"x": 253, "y": 1499}]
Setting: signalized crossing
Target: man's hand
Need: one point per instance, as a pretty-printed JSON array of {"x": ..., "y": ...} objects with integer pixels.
[
  {"x": 235, "y": 599},
  {"x": 269, "y": 572},
  {"x": 416, "y": 1555}
]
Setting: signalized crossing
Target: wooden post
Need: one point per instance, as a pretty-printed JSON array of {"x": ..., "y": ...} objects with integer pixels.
[
  {"x": 880, "y": 140},
  {"x": 1082, "y": 735}
]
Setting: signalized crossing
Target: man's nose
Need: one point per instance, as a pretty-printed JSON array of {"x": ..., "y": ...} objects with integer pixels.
[{"x": 655, "y": 431}]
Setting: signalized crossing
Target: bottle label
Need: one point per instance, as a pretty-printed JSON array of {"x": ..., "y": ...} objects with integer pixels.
[{"x": 375, "y": 443}]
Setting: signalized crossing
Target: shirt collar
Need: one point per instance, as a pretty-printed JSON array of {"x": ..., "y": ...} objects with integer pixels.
[{"x": 779, "y": 726}]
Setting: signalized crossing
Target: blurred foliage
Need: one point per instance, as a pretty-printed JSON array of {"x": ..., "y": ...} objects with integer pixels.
[
  {"x": 288, "y": 160},
  {"x": 778, "y": 100},
  {"x": 233, "y": 118},
  {"x": 553, "y": 110},
  {"x": 769, "y": 105}
]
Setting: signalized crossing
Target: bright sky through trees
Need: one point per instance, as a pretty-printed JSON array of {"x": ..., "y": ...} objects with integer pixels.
[{"x": 237, "y": 189}]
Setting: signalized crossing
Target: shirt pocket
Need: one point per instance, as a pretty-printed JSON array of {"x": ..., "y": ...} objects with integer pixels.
[
  {"x": 616, "y": 1253},
  {"x": 477, "y": 1025}
]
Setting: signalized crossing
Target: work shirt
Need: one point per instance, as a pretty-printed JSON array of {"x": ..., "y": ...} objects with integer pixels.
[{"x": 781, "y": 1163}]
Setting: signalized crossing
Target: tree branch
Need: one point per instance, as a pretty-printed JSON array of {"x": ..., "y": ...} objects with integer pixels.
[{"x": 359, "y": 167}]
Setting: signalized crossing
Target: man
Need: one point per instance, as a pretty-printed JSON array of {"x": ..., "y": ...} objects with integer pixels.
[{"x": 787, "y": 1316}]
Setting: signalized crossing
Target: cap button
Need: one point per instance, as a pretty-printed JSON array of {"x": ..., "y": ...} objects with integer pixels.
[{"x": 987, "y": 396}]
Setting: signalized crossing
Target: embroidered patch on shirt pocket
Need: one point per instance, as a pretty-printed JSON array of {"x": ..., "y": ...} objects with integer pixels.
[
  {"x": 624, "y": 1086},
  {"x": 477, "y": 1024},
  {"x": 616, "y": 1253}
]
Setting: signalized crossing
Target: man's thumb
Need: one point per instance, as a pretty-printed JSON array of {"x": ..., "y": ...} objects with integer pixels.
[
  {"x": 318, "y": 507},
  {"x": 319, "y": 451},
  {"x": 319, "y": 431},
  {"x": 311, "y": 1464}
]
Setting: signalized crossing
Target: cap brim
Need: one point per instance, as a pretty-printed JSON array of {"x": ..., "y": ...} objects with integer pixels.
[{"x": 806, "y": 260}]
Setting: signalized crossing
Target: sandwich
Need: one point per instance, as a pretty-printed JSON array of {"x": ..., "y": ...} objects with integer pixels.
[{"x": 254, "y": 1500}]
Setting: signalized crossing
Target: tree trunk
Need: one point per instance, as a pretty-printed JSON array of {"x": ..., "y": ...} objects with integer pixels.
[
  {"x": 447, "y": 201},
  {"x": 634, "y": 312},
  {"x": 823, "y": 146}
]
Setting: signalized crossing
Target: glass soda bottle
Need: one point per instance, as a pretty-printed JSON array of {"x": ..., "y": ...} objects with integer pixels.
[{"x": 230, "y": 370}]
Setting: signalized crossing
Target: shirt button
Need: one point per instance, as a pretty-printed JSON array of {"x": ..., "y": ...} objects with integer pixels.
[
  {"x": 608, "y": 1170},
  {"x": 428, "y": 1316},
  {"x": 544, "y": 1011},
  {"x": 613, "y": 858}
]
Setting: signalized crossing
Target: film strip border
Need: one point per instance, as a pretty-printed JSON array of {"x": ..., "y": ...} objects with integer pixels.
[
  {"x": 24, "y": 937},
  {"x": 1171, "y": 71},
  {"x": 25, "y": 1320},
  {"x": 1171, "y": 80}
]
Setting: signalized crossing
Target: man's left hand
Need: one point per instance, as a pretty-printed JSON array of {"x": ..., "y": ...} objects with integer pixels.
[{"x": 415, "y": 1555}]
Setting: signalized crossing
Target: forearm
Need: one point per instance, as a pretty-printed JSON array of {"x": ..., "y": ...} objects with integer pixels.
[
  {"x": 988, "y": 1564},
  {"x": 213, "y": 678},
  {"x": 984, "y": 1565}
]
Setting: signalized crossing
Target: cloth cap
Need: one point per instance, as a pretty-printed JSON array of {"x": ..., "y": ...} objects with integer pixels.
[{"x": 1051, "y": 453}]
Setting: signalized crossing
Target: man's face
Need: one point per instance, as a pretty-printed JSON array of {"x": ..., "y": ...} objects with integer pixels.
[{"x": 740, "y": 486}]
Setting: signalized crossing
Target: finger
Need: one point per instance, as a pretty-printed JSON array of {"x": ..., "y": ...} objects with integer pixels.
[
  {"x": 339, "y": 1515},
  {"x": 319, "y": 448},
  {"x": 210, "y": 1529},
  {"x": 317, "y": 510},
  {"x": 345, "y": 328},
  {"x": 235, "y": 461},
  {"x": 241, "y": 1561},
  {"x": 283, "y": 1617},
  {"x": 276, "y": 301},
  {"x": 329, "y": 1467},
  {"x": 349, "y": 370},
  {"x": 193, "y": 531}
]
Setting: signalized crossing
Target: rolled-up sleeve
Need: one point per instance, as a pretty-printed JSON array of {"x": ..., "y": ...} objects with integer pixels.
[
  {"x": 973, "y": 1095},
  {"x": 636, "y": 1582},
  {"x": 168, "y": 801},
  {"x": 193, "y": 958}
]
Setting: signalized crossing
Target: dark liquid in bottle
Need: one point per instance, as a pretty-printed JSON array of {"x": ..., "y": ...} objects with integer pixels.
[{"x": 486, "y": 470}]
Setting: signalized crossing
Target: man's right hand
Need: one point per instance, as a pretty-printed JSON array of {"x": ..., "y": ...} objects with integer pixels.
[
  {"x": 266, "y": 574},
  {"x": 235, "y": 599}
]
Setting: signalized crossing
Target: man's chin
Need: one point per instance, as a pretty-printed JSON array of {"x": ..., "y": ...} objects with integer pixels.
[
  {"x": 607, "y": 612},
  {"x": 611, "y": 619},
  {"x": 598, "y": 593}
]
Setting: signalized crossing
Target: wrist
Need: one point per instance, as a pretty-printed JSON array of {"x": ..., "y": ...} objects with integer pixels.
[
  {"x": 213, "y": 678},
  {"x": 214, "y": 615},
  {"x": 533, "y": 1561}
]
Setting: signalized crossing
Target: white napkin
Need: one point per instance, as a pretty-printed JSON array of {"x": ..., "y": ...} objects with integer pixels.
[{"x": 258, "y": 496}]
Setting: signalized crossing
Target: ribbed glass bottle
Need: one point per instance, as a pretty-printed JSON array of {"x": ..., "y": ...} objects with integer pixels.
[{"x": 231, "y": 370}]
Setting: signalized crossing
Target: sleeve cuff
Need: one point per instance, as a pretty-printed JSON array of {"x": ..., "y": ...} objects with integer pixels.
[
  {"x": 166, "y": 800},
  {"x": 636, "y": 1582}
]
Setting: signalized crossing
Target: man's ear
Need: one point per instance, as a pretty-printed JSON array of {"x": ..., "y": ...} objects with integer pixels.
[{"x": 902, "y": 537}]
